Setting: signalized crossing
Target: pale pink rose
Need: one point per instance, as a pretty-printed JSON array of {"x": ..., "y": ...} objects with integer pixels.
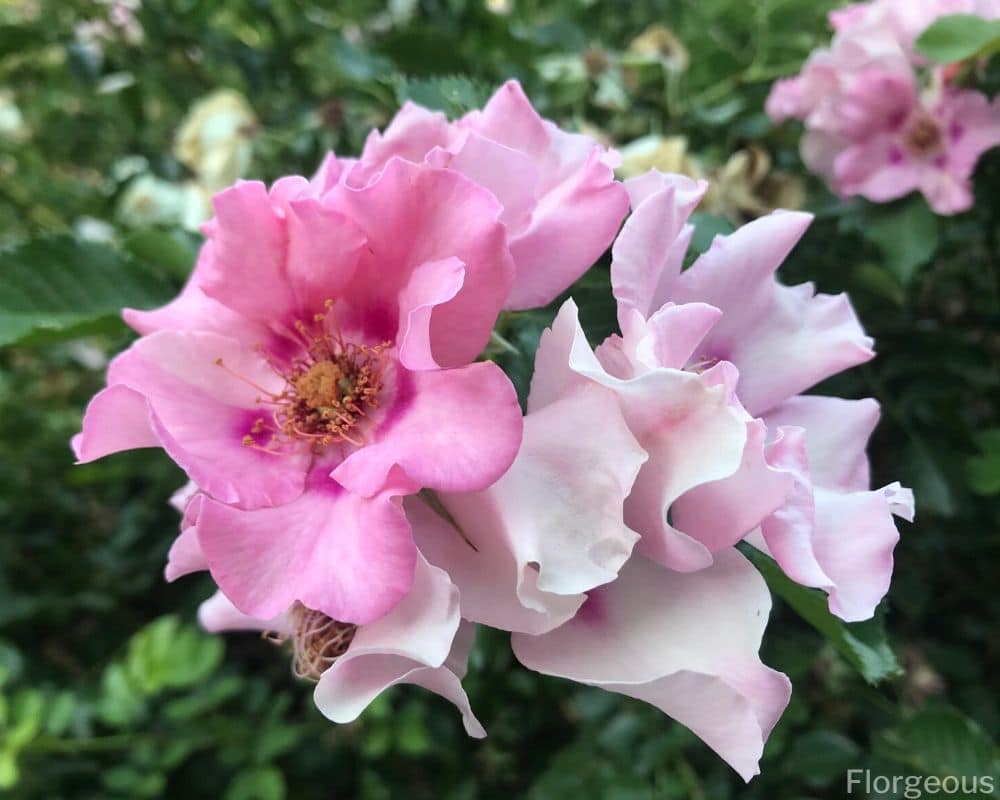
[
  {"x": 524, "y": 551},
  {"x": 421, "y": 641},
  {"x": 933, "y": 150},
  {"x": 768, "y": 342},
  {"x": 545, "y": 553},
  {"x": 842, "y": 539},
  {"x": 557, "y": 189},
  {"x": 316, "y": 368},
  {"x": 686, "y": 643}
]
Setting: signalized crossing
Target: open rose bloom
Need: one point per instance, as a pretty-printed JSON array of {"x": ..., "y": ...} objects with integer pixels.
[
  {"x": 366, "y": 490},
  {"x": 880, "y": 123}
]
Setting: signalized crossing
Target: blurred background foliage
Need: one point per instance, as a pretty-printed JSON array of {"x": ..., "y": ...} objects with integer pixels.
[{"x": 109, "y": 690}]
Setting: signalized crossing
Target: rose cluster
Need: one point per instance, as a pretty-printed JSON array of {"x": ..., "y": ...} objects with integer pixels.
[
  {"x": 365, "y": 487},
  {"x": 880, "y": 121}
]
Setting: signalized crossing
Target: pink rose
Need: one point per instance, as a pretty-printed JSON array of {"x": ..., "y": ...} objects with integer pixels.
[
  {"x": 317, "y": 367},
  {"x": 557, "y": 189}
]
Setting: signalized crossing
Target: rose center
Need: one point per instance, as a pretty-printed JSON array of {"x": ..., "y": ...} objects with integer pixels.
[
  {"x": 923, "y": 137},
  {"x": 330, "y": 391}
]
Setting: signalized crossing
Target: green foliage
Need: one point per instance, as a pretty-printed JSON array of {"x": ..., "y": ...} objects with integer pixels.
[
  {"x": 958, "y": 37},
  {"x": 942, "y": 742},
  {"x": 56, "y": 287},
  {"x": 984, "y": 468},
  {"x": 907, "y": 234},
  {"x": 863, "y": 644},
  {"x": 453, "y": 94}
]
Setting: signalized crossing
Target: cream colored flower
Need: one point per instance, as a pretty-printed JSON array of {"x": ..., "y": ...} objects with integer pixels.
[
  {"x": 215, "y": 139},
  {"x": 500, "y": 6},
  {"x": 12, "y": 125},
  {"x": 667, "y": 154},
  {"x": 149, "y": 201}
]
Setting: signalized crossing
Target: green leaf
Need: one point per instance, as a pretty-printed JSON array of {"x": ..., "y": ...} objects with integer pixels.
[
  {"x": 706, "y": 228},
  {"x": 357, "y": 63},
  {"x": 166, "y": 654},
  {"x": 820, "y": 757},
  {"x": 59, "y": 713},
  {"x": 133, "y": 782},
  {"x": 9, "y": 772},
  {"x": 943, "y": 742},
  {"x": 983, "y": 471},
  {"x": 958, "y": 37},
  {"x": 171, "y": 251},
  {"x": 863, "y": 644},
  {"x": 907, "y": 235},
  {"x": 453, "y": 94},
  {"x": 56, "y": 288},
  {"x": 121, "y": 703},
  {"x": 259, "y": 783},
  {"x": 927, "y": 473}
]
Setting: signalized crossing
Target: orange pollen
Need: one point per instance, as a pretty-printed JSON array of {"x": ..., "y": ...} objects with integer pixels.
[
  {"x": 317, "y": 641},
  {"x": 923, "y": 137},
  {"x": 328, "y": 393}
]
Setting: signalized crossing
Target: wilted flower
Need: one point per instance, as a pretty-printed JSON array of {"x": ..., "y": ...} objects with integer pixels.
[
  {"x": 215, "y": 139},
  {"x": 316, "y": 368},
  {"x": 557, "y": 189},
  {"x": 747, "y": 186},
  {"x": 659, "y": 44},
  {"x": 422, "y": 641}
]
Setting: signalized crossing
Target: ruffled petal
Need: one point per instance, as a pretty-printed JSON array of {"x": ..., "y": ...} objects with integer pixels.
[
  {"x": 349, "y": 557},
  {"x": 560, "y": 344},
  {"x": 510, "y": 174},
  {"x": 551, "y": 528},
  {"x": 411, "y": 135},
  {"x": 185, "y": 554},
  {"x": 249, "y": 243},
  {"x": 720, "y": 513},
  {"x": 693, "y": 435},
  {"x": 217, "y": 615},
  {"x": 454, "y": 430},
  {"x": 789, "y": 533},
  {"x": 577, "y": 204},
  {"x": 854, "y": 540},
  {"x": 686, "y": 643},
  {"x": 413, "y": 214},
  {"x": 837, "y": 433},
  {"x": 476, "y": 549},
  {"x": 324, "y": 248},
  {"x": 416, "y": 642},
  {"x": 432, "y": 283},
  {"x": 647, "y": 255},
  {"x": 782, "y": 339},
  {"x": 116, "y": 419},
  {"x": 577, "y": 219},
  {"x": 202, "y": 411}
]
